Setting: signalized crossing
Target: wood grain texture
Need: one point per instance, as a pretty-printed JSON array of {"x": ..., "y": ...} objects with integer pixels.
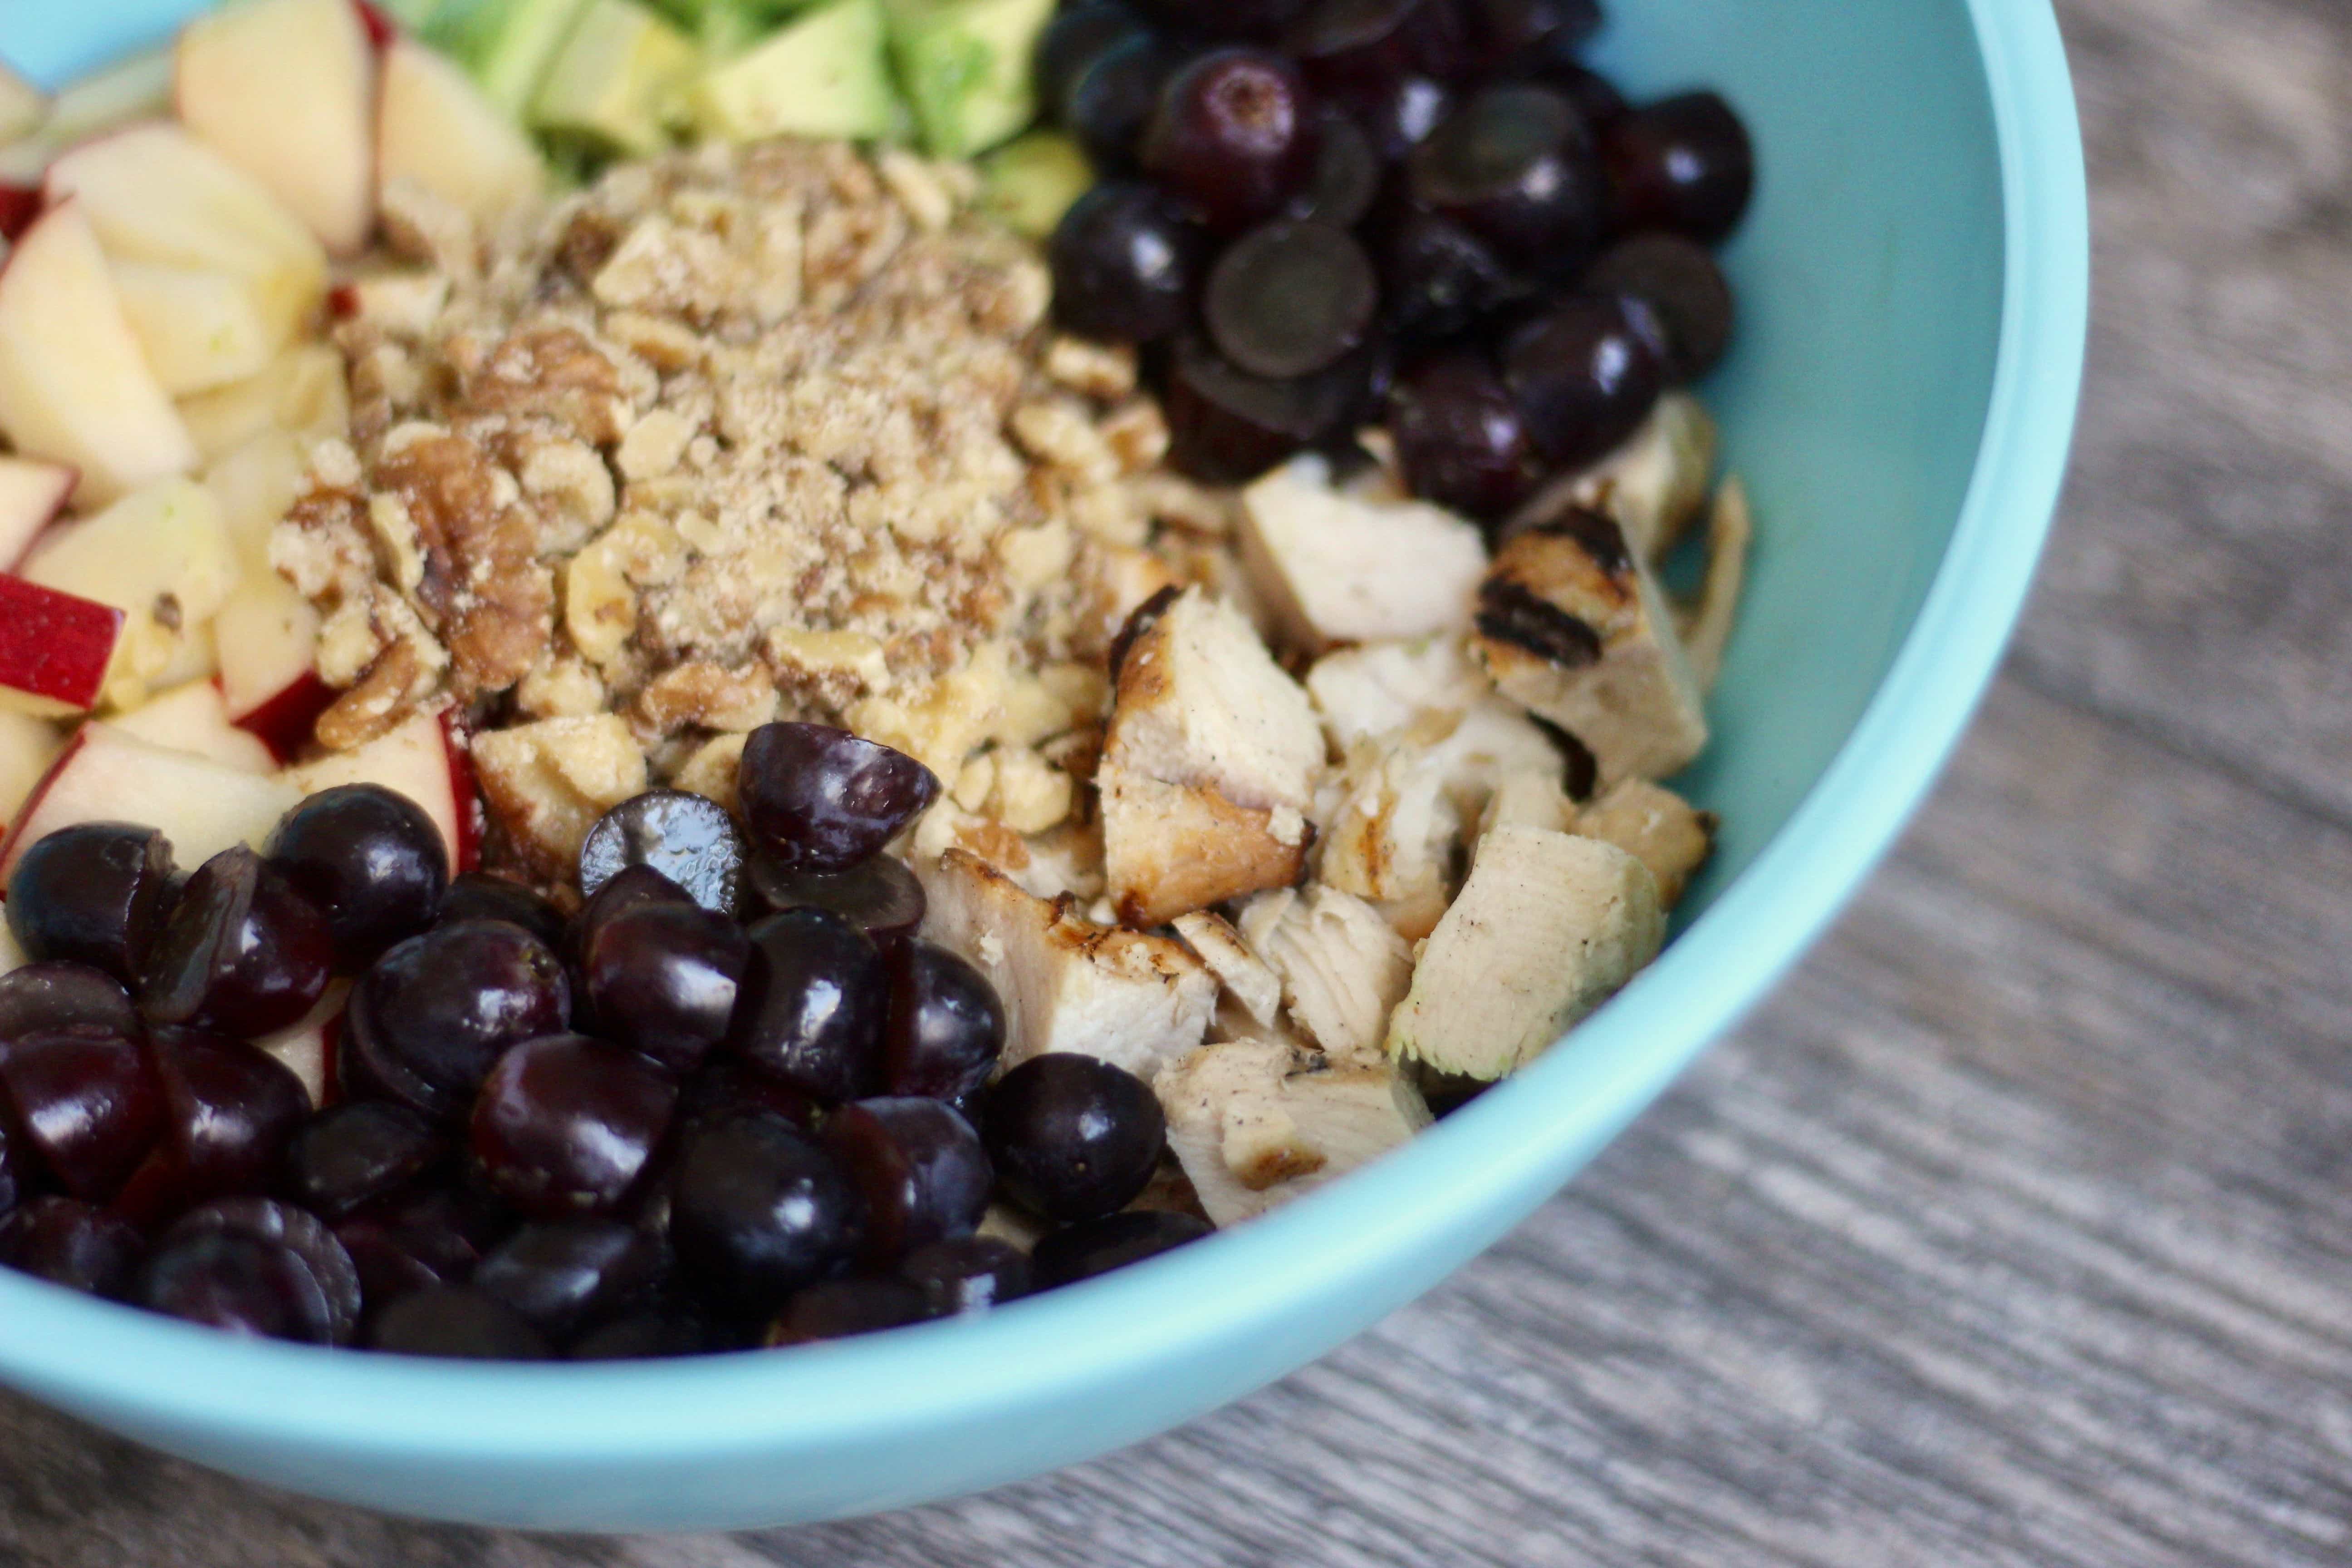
[{"x": 2017, "y": 1227}]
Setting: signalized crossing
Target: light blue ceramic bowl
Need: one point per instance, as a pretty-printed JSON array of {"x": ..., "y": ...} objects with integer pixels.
[{"x": 1914, "y": 280}]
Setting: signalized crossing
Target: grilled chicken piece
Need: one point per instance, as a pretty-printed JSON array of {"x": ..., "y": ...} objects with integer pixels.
[
  {"x": 1342, "y": 968},
  {"x": 1339, "y": 566},
  {"x": 1655, "y": 485},
  {"x": 1708, "y": 626},
  {"x": 1547, "y": 928},
  {"x": 1067, "y": 984},
  {"x": 1657, "y": 828},
  {"x": 1572, "y": 626},
  {"x": 1529, "y": 800},
  {"x": 1249, "y": 981},
  {"x": 1258, "y": 1123},
  {"x": 1209, "y": 765},
  {"x": 1364, "y": 693}
]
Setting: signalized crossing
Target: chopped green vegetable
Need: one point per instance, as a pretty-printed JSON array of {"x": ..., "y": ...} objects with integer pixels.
[
  {"x": 507, "y": 45},
  {"x": 965, "y": 66},
  {"x": 1029, "y": 183},
  {"x": 613, "y": 81},
  {"x": 822, "y": 74}
]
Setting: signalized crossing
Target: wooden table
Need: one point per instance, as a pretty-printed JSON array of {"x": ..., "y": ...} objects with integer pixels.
[{"x": 2017, "y": 1229}]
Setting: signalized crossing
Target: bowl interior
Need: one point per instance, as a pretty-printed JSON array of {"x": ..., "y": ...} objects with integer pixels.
[{"x": 1898, "y": 401}]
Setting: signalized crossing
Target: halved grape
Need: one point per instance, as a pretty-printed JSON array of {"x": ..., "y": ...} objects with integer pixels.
[
  {"x": 1683, "y": 287},
  {"x": 1234, "y": 135},
  {"x": 1682, "y": 163},
  {"x": 1585, "y": 373},
  {"x": 243, "y": 952},
  {"x": 1126, "y": 259},
  {"x": 1514, "y": 165},
  {"x": 1290, "y": 298},
  {"x": 1227, "y": 427},
  {"x": 1460, "y": 438}
]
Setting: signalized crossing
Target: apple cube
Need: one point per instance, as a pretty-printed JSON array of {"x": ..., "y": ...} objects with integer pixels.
[
  {"x": 418, "y": 760},
  {"x": 195, "y": 717},
  {"x": 436, "y": 130},
  {"x": 307, "y": 1048},
  {"x": 27, "y": 747},
  {"x": 268, "y": 634},
  {"x": 22, "y": 106},
  {"x": 190, "y": 655},
  {"x": 286, "y": 88},
  {"x": 19, "y": 206},
  {"x": 161, "y": 554},
  {"x": 74, "y": 386},
  {"x": 57, "y": 651},
  {"x": 136, "y": 88},
  {"x": 257, "y": 485},
  {"x": 105, "y": 776},
  {"x": 153, "y": 193},
  {"x": 302, "y": 391},
  {"x": 198, "y": 329},
  {"x": 32, "y": 493}
]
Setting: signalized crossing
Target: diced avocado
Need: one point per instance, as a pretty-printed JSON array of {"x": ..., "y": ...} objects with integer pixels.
[
  {"x": 823, "y": 75},
  {"x": 613, "y": 81},
  {"x": 1030, "y": 182},
  {"x": 964, "y": 65},
  {"x": 508, "y": 45}
]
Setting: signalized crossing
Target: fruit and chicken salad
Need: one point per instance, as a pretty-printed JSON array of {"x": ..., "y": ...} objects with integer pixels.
[{"x": 684, "y": 676}]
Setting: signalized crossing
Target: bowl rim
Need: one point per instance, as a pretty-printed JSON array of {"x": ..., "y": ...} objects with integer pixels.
[{"x": 1533, "y": 1134}]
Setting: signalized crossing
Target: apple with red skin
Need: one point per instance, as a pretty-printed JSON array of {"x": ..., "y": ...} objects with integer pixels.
[
  {"x": 32, "y": 494},
  {"x": 55, "y": 648},
  {"x": 19, "y": 206}
]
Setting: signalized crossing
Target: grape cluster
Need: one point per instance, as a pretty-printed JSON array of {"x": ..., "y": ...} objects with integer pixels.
[
  {"x": 733, "y": 1101},
  {"x": 1319, "y": 215}
]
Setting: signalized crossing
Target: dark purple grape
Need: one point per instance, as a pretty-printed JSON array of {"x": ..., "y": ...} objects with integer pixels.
[
  {"x": 452, "y": 1321},
  {"x": 633, "y": 887},
  {"x": 810, "y": 1007},
  {"x": 16, "y": 1172},
  {"x": 1437, "y": 278},
  {"x": 1681, "y": 164},
  {"x": 1107, "y": 101},
  {"x": 429, "y": 1237},
  {"x": 689, "y": 838},
  {"x": 1347, "y": 174},
  {"x": 1585, "y": 373},
  {"x": 1401, "y": 118},
  {"x": 1227, "y": 427},
  {"x": 663, "y": 980},
  {"x": 758, "y": 1210},
  {"x": 94, "y": 893},
  {"x": 566, "y": 1275},
  {"x": 1226, "y": 18},
  {"x": 1519, "y": 34},
  {"x": 478, "y": 896},
  {"x": 1683, "y": 288},
  {"x": 87, "y": 1104},
  {"x": 1514, "y": 165},
  {"x": 1290, "y": 298},
  {"x": 1355, "y": 50},
  {"x": 837, "y": 1309},
  {"x": 946, "y": 1026},
  {"x": 1234, "y": 135},
  {"x": 243, "y": 952},
  {"x": 264, "y": 1266},
  {"x": 425, "y": 1024},
  {"x": 918, "y": 1164},
  {"x": 41, "y": 998},
  {"x": 968, "y": 1275},
  {"x": 881, "y": 898},
  {"x": 821, "y": 799},
  {"x": 356, "y": 1152},
  {"x": 1594, "y": 97},
  {"x": 1073, "y": 1137},
  {"x": 661, "y": 1329},
  {"x": 1070, "y": 45},
  {"x": 229, "y": 1112},
  {"x": 1096, "y": 1246},
  {"x": 70, "y": 1243},
  {"x": 567, "y": 1126},
  {"x": 1126, "y": 258},
  {"x": 372, "y": 862},
  {"x": 725, "y": 1086},
  {"x": 1460, "y": 437}
]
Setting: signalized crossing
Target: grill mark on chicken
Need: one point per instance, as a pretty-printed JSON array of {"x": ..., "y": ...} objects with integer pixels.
[{"x": 1511, "y": 614}]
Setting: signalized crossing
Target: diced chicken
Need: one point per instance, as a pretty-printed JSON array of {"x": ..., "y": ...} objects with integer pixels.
[
  {"x": 1657, "y": 828},
  {"x": 1342, "y": 967},
  {"x": 1655, "y": 484},
  {"x": 1572, "y": 626},
  {"x": 1529, "y": 800},
  {"x": 1547, "y": 927},
  {"x": 1137, "y": 1000},
  {"x": 1249, "y": 981},
  {"x": 1335, "y": 567},
  {"x": 1256, "y": 1123},
  {"x": 1209, "y": 765},
  {"x": 1709, "y": 628},
  {"x": 1366, "y": 692}
]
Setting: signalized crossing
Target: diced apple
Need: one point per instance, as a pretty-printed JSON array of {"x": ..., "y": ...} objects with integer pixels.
[
  {"x": 138, "y": 87},
  {"x": 27, "y": 747},
  {"x": 22, "y": 106},
  {"x": 12, "y": 956},
  {"x": 57, "y": 651},
  {"x": 154, "y": 193},
  {"x": 286, "y": 88},
  {"x": 19, "y": 206},
  {"x": 302, "y": 391},
  {"x": 307, "y": 1048},
  {"x": 194, "y": 718},
  {"x": 105, "y": 776},
  {"x": 198, "y": 329},
  {"x": 436, "y": 130},
  {"x": 257, "y": 485},
  {"x": 417, "y": 761},
  {"x": 268, "y": 634},
  {"x": 160, "y": 553},
  {"x": 32, "y": 493},
  {"x": 74, "y": 387},
  {"x": 190, "y": 655}
]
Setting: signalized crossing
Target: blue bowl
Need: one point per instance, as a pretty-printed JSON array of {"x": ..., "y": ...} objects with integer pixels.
[{"x": 1914, "y": 280}]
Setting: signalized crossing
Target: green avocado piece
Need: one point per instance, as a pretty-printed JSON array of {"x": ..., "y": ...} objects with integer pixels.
[
  {"x": 824, "y": 74},
  {"x": 508, "y": 45},
  {"x": 965, "y": 66},
  {"x": 1030, "y": 182},
  {"x": 613, "y": 81}
]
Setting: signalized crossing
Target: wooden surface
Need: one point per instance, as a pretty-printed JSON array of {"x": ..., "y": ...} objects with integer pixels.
[{"x": 2017, "y": 1229}]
